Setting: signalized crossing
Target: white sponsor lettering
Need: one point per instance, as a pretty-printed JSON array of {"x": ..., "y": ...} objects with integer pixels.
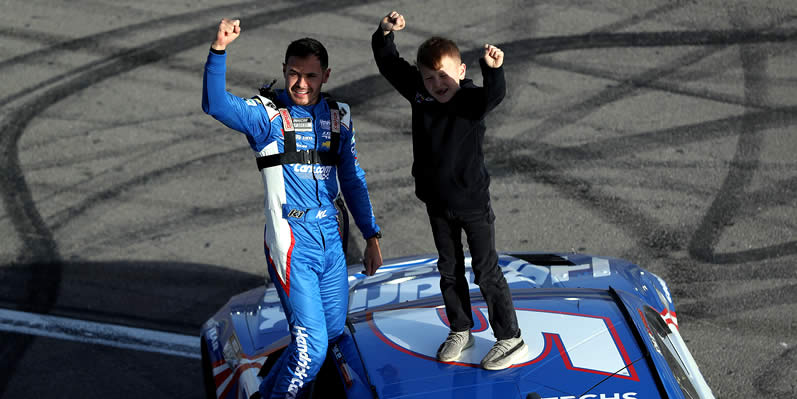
[
  {"x": 213, "y": 335},
  {"x": 303, "y": 365},
  {"x": 303, "y": 124},
  {"x": 321, "y": 214},
  {"x": 517, "y": 271},
  {"x": 616, "y": 395},
  {"x": 321, "y": 172}
]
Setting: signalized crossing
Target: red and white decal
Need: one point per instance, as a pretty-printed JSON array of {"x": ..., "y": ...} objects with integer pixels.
[
  {"x": 335, "y": 115},
  {"x": 226, "y": 377},
  {"x": 287, "y": 122},
  {"x": 669, "y": 317}
]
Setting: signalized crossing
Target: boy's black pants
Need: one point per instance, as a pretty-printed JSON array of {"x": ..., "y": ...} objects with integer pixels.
[{"x": 479, "y": 228}]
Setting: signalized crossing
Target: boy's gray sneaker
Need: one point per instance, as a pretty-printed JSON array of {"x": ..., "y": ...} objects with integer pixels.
[
  {"x": 505, "y": 353},
  {"x": 451, "y": 349}
]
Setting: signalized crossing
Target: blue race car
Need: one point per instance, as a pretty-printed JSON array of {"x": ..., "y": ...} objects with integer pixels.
[{"x": 596, "y": 328}]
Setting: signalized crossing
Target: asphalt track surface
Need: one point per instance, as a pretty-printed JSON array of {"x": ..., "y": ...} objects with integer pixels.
[{"x": 658, "y": 131}]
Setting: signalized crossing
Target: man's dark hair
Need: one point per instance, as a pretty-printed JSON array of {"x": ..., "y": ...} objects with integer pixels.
[
  {"x": 305, "y": 47},
  {"x": 432, "y": 51}
]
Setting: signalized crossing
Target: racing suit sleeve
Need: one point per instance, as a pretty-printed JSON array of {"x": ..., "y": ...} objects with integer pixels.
[
  {"x": 476, "y": 102},
  {"x": 400, "y": 73},
  {"x": 355, "y": 190},
  {"x": 243, "y": 115}
]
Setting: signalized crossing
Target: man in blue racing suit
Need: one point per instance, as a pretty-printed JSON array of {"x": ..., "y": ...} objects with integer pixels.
[{"x": 305, "y": 147}]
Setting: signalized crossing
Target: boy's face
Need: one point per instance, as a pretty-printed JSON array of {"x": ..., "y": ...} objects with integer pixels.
[
  {"x": 443, "y": 83},
  {"x": 303, "y": 79}
]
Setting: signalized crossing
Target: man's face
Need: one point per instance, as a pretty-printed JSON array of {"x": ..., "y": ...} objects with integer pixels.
[
  {"x": 303, "y": 79},
  {"x": 443, "y": 83}
]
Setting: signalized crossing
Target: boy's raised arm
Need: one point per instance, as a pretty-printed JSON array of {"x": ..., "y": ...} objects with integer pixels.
[
  {"x": 493, "y": 76},
  {"x": 400, "y": 73}
]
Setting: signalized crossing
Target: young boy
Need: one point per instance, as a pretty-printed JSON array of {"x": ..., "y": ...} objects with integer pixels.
[{"x": 451, "y": 179}]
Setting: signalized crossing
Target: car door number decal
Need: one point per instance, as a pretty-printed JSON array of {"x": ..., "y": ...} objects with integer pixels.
[{"x": 585, "y": 343}]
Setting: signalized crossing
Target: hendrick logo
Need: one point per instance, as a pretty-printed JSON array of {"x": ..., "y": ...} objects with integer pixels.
[{"x": 302, "y": 365}]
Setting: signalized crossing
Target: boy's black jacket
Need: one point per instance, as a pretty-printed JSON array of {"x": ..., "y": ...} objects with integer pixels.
[{"x": 448, "y": 161}]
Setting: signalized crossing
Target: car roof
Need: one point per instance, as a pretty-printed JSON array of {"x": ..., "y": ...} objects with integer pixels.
[{"x": 412, "y": 278}]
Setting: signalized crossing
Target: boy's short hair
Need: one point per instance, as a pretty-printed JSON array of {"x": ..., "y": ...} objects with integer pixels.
[
  {"x": 305, "y": 47},
  {"x": 432, "y": 51}
]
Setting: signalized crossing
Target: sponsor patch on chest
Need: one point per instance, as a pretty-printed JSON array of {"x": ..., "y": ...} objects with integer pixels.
[{"x": 303, "y": 124}]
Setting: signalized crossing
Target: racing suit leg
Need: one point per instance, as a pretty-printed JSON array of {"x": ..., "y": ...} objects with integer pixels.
[
  {"x": 334, "y": 281},
  {"x": 314, "y": 300}
]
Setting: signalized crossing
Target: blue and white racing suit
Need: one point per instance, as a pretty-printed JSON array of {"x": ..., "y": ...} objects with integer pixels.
[{"x": 303, "y": 248}]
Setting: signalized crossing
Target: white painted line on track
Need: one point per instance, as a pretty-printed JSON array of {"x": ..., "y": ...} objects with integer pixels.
[{"x": 99, "y": 333}]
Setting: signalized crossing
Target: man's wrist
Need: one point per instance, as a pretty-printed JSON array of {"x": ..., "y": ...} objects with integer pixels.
[{"x": 377, "y": 235}]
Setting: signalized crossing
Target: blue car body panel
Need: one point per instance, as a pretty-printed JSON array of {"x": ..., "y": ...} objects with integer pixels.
[{"x": 582, "y": 317}]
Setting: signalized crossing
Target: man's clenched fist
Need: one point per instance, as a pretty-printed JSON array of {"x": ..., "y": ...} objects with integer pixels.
[{"x": 229, "y": 29}]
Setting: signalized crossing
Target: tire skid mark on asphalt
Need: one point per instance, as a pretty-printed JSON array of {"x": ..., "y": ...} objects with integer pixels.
[
  {"x": 744, "y": 164},
  {"x": 777, "y": 378},
  {"x": 62, "y": 217},
  {"x": 95, "y": 43},
  {"x": 750, "y": 271},
  {"x": 617, "y": 211},
  {"x": 531, "y": 48},
  {"x": 729, "y": 200},
  {"x": 114, "y": 191},
  {"x": 195, "y": 219},
  {"x": 80, "y": 79},
  {"x": 552, "y": 177},
  {"x": 658, "y": 240},
  {"x": 39, "y": 247},
  {"x": 731, "y": 197},
  {"x": 726, "y": 306},
  {"x": 624, "y": 145}
]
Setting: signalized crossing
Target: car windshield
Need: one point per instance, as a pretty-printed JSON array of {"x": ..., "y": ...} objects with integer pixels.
[{"x": 661, "y": 336}]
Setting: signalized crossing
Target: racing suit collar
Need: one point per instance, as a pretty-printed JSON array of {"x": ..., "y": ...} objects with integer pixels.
[{"x": 283, "y": 96}]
